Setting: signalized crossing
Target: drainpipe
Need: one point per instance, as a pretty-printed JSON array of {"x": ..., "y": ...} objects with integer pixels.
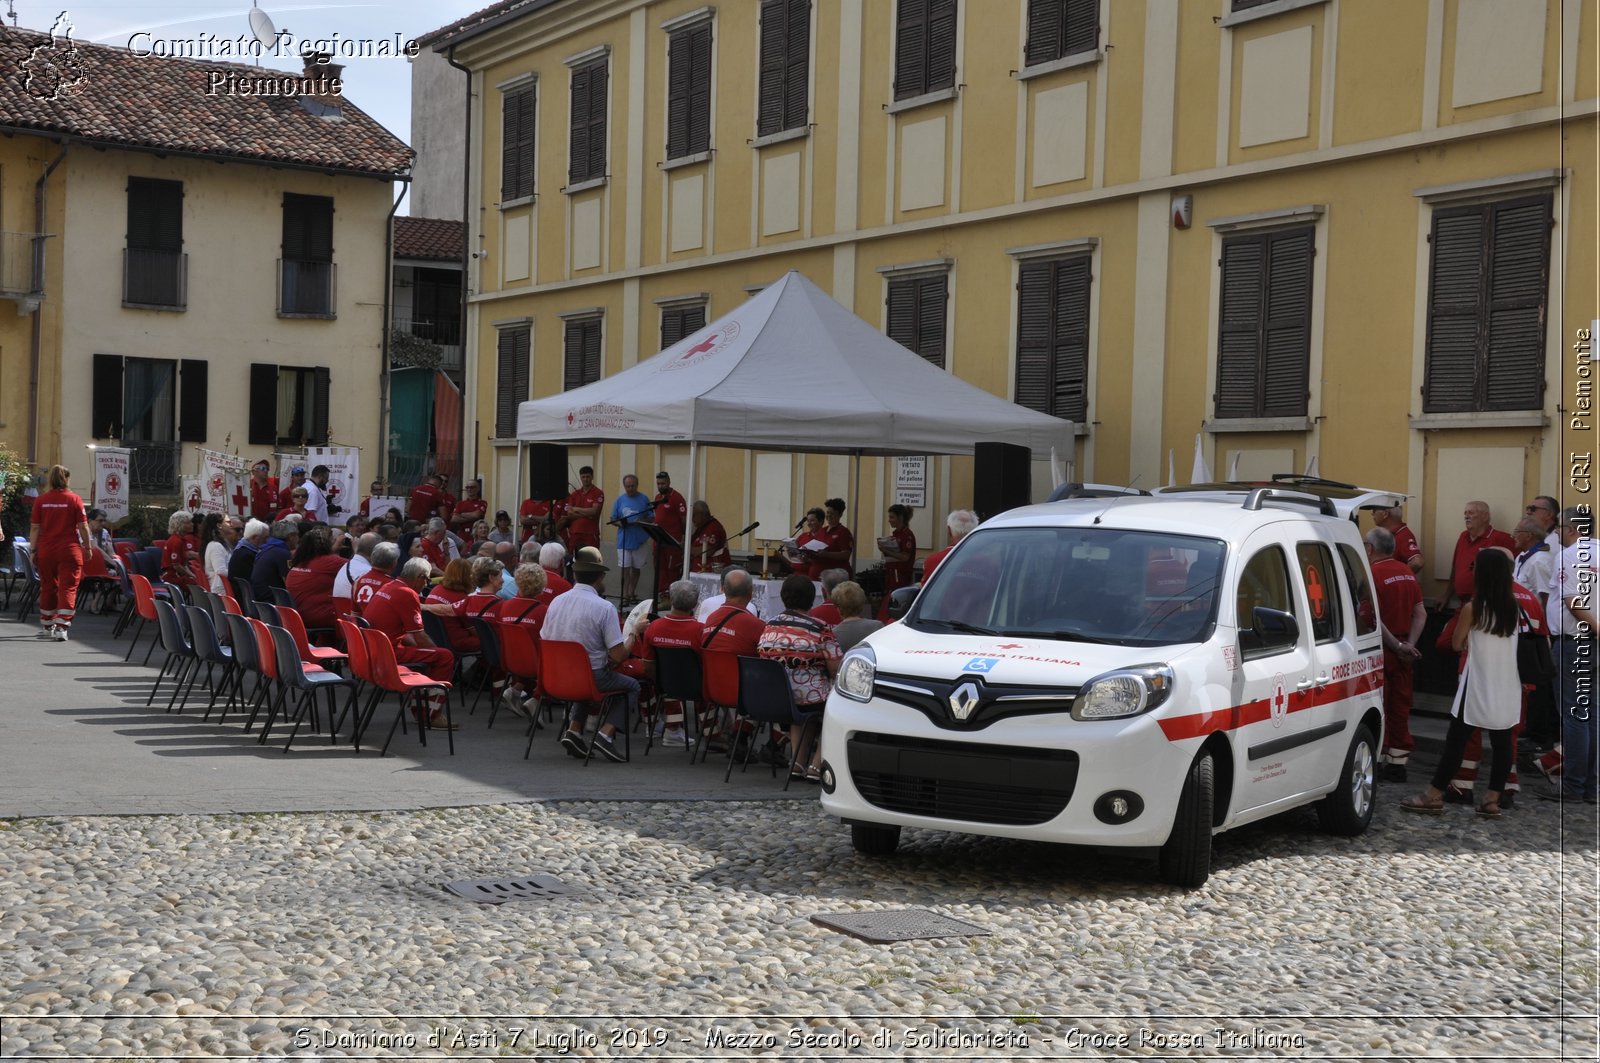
[
  {"x": 388, "y": 326},
  {"x": 36, "y": 341},
  {"x": 466, "y": 261}
]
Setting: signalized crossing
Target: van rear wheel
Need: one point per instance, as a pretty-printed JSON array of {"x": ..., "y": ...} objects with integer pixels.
[
  {"x": 874, "y": 839},
  {"x": 1348, "y": 810},
  {"x": 1186, "y": 857}
]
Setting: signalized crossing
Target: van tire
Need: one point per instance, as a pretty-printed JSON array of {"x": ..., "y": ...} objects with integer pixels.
[
  {"x": 874, "y": 839},
  {"x": 1186, "y": 857},
  {"x": 1348, "y": 809}
]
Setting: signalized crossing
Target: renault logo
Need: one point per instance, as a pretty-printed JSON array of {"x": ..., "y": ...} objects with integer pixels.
[{"x": 963, "y": 700}]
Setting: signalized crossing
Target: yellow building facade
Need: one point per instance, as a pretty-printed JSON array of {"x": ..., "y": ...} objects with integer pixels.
[{"x": 1221, "y": 217}]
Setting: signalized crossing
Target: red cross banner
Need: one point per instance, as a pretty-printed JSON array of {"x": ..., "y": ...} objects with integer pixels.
[
  {"x": 222, "y": 479},
  {"x": 111, "y": 482},
  {"x": 344, "y": 485}
]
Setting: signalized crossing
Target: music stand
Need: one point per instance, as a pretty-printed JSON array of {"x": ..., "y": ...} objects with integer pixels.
[{"x": 662, "y": 538}]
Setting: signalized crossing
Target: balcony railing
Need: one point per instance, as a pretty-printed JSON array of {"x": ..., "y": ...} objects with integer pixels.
[
  {"x": 445, "y": 331},
  {"x": 153, "y": 465},
  {"x": 305, "y": 289},
  {"x": 158, "y": 279},
  {"x": 22, "y": 264}
]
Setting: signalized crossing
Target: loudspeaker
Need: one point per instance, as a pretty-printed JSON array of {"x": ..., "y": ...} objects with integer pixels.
[
  {"x": 1002, "y": 478},
  {"x": 547, "y": 471}
]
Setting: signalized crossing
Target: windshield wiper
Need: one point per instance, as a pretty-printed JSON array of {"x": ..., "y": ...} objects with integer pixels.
[
  {"x": 1065, "y": 635},
  {"x": 957, "y": 625}
]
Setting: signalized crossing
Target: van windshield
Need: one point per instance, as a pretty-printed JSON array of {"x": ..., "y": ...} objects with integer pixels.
[{"x": 1128, "y": 588}]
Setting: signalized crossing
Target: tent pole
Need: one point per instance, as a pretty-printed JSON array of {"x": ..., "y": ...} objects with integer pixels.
[
  {"x": 694, "y": 467},
  {"x": 855, "y": 504}
]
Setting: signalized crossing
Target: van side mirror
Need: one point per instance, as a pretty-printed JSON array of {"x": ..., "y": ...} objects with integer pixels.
[
  {"x": 900, "y": 601},
  {"x": 1274, "y": 629}
]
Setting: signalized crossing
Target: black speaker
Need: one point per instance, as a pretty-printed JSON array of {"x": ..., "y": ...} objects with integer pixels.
[
  {"x": 1002, "y": 478},
  {"x": 547, "y": 471}
]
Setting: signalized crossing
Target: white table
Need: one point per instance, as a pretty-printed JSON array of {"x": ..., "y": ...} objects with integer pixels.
[{"x": 764, "y": 596}]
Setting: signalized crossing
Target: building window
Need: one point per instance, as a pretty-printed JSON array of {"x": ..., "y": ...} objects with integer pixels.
[
  {"x": 1488, "y": 289},
  {"x": 1264, "y": 339},
  {"x": 680, "y": 321},
  {"x": 1245, "y": 5},
  {"x": 785, "y": 65},
  {"x": 516, "y": 143},
  {"x": 1059, "y": 28},
  {"x": 511, "y": 378},
  {"x": 1053, "y": 336},
  {"x": 924, "y": 47},
  {"x": 305, "y": 273},
  {"x": 587, "y": 146},
  {"x": 153, "y": 264},
  {"x": 917, "y": 310},
  {"x": 149, "y": 399},
  {"x": 435, "y": 305},
  {"x": 288, "y": 405},
  {"x": 582, "y": 354},
  {"x": 689, "y": 90}
]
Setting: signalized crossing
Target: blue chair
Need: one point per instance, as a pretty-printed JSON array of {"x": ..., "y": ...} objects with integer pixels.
[{"x": 22, "y": 555}]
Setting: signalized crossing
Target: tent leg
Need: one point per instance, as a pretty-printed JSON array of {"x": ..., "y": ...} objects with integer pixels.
[
  {"x": 694, "y": 467},
  {"x": 855, "y": 507}
]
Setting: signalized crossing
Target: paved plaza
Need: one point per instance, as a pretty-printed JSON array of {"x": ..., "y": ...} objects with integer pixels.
[{"x": 169, "y": 889}]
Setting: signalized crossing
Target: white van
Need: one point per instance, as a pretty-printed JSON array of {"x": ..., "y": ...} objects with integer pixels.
[{"x": 1141, "y": 672}]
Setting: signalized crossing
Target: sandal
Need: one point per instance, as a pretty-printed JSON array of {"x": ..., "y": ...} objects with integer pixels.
[
  {"x": 1422, "y": 806},
  {"x": 1489, "y": 810},
  {"x": 797, "y": 773},
  {"x": 813, "y": 775}
]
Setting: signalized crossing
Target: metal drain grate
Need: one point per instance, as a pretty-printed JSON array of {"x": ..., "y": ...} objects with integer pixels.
[
  {"x": 500, "y": 890},
  {"x": 901, "y": 924}
]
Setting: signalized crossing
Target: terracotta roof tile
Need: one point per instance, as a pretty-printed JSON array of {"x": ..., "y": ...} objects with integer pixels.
[
  {"x": 475, "y": 21},
  {"x": 431, "y": 238},
  {"x": 162, "y": 104}
]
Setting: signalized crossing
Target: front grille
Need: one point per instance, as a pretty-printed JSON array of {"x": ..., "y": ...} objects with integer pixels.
[
  {"x": 1011, "y": 785},
  {"x": 992, "y": 702}
]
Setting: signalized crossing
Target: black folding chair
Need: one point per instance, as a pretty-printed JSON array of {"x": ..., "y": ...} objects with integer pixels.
[
  {"x": 293, "y": 675},
  {"x": 488, "y": 657},
  {"x": 679, "y": 678},
  {"x": 764, "y": 697},
  {"x": 209, "y": 649},
  {"x": 244, "y": 594},
  {"x": 30, "y": 579},
  {"x": 180, "y": 656},
  {"x": 281, "y": 596},
  {"x": 435, "y": 628}
]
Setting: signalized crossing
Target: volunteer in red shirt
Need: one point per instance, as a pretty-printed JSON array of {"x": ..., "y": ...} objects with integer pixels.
[
  {"x": 582, "y": 517},
  {"x": 806, "y": 562},
  {"x": 384, "y": 556},
  {"x": 471, "y": 509},
  {"x": 181, "y": 563},
  {"x": 672, "y": 516},
  {"x": 708, "y": 548},
  {"x": 528, "y": 607},
  {"x": 366, "y": 503},
  {"x": 297, "y": 478},
  {"x": 841, "y": 543},
  {"x": 1477, "y": 535},
  {"x": 436, "y": 545},
  {"x": 58, "y": 535},
  {"x": 488, "y": 575},
  {"x": 732, "y": 627},
  {"x": 1400, "y": 610},
  {"x": 263, "y": 492},
  {"x": 310, "y": 578},
  {"x": 826, "y": 611},
  {"x": 1406, "y": 550},
  {"x": 958, "y": 525},
  {"x": 533, "y": 516},
  {"x": 449, "y": 599},
  {"x": 396, "y": 610},
  {"x": 425, "y": 498},
  {"x": 551, "y": 557},
  {"x": 677, "y": 629},
  {"x": 898, "y": 556}
]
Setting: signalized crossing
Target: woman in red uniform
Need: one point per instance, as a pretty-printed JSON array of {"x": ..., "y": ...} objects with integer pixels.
[
  {"x": 841, "y": 542},
  {"x": 60, "y": 537},
  {"x": 180, "y": 554},
  {"x": 709, "y": 546},
  {"x": 311, "y": 576},
  {"x": 898, "y": 556},
  {"x": 453, "y": 591}
]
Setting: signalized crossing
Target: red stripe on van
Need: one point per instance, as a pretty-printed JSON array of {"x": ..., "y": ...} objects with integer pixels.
[{"x": 1200, "y": 724}]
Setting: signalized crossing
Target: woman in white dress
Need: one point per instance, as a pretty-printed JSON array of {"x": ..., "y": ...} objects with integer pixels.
[
  {"x": 218, "y": 534},
  {"x": 1490, "y": 693}
]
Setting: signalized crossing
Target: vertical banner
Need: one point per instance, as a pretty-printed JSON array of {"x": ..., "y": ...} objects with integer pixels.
[
  {"x": 193, "y": 495},
  {"x": 111, "y": 481},
  {"x": 223, "y": 479},
  {"x": 344, "y": 479},
  {"x": 286, "y": 462},
  {"x": 380, "y": 505}
]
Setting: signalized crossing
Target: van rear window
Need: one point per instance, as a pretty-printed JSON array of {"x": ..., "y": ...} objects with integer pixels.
[{"x": 1133, "y": 588}]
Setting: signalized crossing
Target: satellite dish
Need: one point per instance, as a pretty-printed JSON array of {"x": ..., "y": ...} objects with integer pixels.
[{"x": 261, "y": 25}]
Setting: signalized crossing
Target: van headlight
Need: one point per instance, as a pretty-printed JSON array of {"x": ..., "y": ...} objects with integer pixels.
[
  {"x": 856, "y": 673},
  {"x": 1124, "y": 692}
]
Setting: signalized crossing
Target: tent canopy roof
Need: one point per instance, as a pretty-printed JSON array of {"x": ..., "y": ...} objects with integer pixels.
[{"x": 791, "y": 369}]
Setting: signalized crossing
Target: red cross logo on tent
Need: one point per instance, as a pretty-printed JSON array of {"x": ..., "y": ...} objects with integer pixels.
[
  {"x": 240, "y": 500},
  {"x": 701, "y": 347},
  {"x": 113, "y": 484},
  {"x": 570, "y": 418},
  {"x": 1280, "y": 701},
  {"x": 1316, "y": 592}
]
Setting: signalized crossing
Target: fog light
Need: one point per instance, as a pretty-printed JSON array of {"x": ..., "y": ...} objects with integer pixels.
[
  {"x": 828, "y": 780},
  {"x": 1118, "y": 806}
]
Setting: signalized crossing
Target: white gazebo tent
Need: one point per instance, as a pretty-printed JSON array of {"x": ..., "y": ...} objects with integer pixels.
[{"x": 791, "y": 370}]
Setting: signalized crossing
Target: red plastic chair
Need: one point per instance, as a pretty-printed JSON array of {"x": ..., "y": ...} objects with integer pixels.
[
  {"x": 568, "y": 677},
  {"x": 390, "y": 679},
  {"x": 292, "y": 622},
  {"x": 144, "y": 605},
  {"x": 361, "y": 671},
  {"x": 519, "y": 659},
  {"x": 267, "y": 662}
]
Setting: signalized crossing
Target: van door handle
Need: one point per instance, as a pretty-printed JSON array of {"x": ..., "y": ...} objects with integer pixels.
[
  {"x": 1322, "y": 680},
  {"x": 1304, "y": 684}
]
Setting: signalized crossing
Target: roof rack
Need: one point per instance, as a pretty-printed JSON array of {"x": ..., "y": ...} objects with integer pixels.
[{"x": 1256, "y": 497}]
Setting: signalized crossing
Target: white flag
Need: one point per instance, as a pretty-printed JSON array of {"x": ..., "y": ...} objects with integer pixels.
[
  {"x": 1172, "y": 468},
  {"x": 193, "y": 494},
  {"x": 111, "y": 481},
  {"x": 221, "y": 477},
  {"x": 1233, "y": 468},
  {"x": 344, "y": 479},
  {"x": 1311, "y": 466},
  {"x": 1201, "y": 473}
]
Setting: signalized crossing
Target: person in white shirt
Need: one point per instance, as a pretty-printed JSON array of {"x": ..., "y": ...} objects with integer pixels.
[
  {"x": 583, "y": 616},
  {"x": 360, "y": 563},
  {"x": 316, "y": 494},
  {"x": 1572, "y": 625}
]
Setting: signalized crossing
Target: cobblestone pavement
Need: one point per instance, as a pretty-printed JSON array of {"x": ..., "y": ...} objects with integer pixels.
[{"x": 330, "y": 935}]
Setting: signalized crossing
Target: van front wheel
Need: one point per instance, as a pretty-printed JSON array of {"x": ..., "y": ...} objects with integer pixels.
[
  {"x": 1186, "y": 857},
  {"x": 874, "y": 839}
]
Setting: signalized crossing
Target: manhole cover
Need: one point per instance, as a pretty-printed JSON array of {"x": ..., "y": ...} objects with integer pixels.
[
  {"x": 500, "y": 890},
  {"x": 902, "y": 924}
]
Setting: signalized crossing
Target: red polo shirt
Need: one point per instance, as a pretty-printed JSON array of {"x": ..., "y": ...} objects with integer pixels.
[
  {"x": 264, "y": 498},
  {"x": 679, "y": 632},
  {"x": 585, "y": 531},
  {"x": 366, "y": 586},
  {"x": 424, "y": 499},
  {"x": 737, "y": 631},
  {"x": 1405, "y": 544},
  {"x": 312, "y": 587},
  {"x": 1467, "y": 553},
  {"x": 1398, "y": 593},
  {"x": 394, "y": 610},
  {"x": 533, "y": 508}
]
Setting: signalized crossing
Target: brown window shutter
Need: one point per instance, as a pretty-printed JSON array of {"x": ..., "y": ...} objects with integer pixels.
[
  {"x": 680, "y": 79},
  {"x": 1455, "y": 294},
  {"x": 598, "y": 77},
  {"x": 107, "y": 397},
  {"x": 910, "y": 48},
  {"x": 1239, "y": 331},
  {"x": 774, "y": 55},
  {"x": 307, "y": 228},
  {"x": 1080, "y": 26},
  {"x": 591, "y": 351},
  {"x": 263, "y": 403},
  {"x": 941, "y": 45},
  {"x": 1286, "y": 339},
  {"x": 516, "y": 159},
  {"x": 193, "y": 400},
  {"x": 699, "y": 132},
  {"x": 1034, "y": 327},
  {"x": 1519, "y": 283},
  {"x": 587, "y": 140},
  {"x": 320, "y": 388},
  {"x": 1070, "y": 342},
  {"x": 155, "y": 215},
  {"x": 797, "y": 66},
  {"x": 1044, "y": 31}
]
